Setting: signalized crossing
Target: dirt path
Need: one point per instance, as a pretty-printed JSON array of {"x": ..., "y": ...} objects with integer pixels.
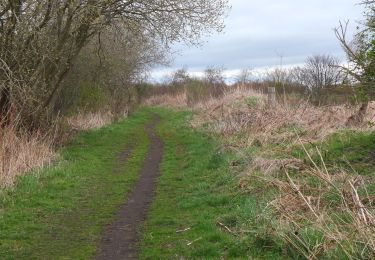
[{"x": 120, "y": 239}]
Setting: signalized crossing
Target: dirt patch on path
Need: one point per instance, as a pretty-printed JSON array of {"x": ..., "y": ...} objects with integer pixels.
[{"x": 120, "y": 239}]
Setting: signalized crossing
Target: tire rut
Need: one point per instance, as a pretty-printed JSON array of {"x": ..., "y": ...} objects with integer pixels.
[{"x": 120, "y": 239}]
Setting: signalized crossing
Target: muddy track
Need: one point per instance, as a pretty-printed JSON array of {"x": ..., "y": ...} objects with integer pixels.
[{"x": 119, "y": 240}]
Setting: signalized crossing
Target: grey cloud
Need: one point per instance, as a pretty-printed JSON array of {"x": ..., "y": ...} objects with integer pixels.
[{"x": 256, "y": 30}]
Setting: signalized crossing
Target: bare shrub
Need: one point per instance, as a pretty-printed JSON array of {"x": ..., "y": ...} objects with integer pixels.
[
  {"x": 211, "y": 85},
  {"x": 244, "y": 77},
  {"x": 197, "y": 91},
  {"x": 180, "y": 78}
]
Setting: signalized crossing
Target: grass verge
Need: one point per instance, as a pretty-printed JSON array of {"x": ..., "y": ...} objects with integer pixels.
[{"x": 59, "y": 212}]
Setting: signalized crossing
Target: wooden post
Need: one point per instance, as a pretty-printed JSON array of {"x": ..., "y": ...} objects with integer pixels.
[{"x": 272, "y": 96}]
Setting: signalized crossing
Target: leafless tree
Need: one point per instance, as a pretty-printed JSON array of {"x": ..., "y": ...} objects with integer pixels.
[
  {"x": 214, "y": 80},
  {"x": 321, "y": 71},
  {"x": 214, "y": 76},
  {"x": 244, "y": 77},
  {"x": 107, "y": 70},
  {"x": 40, "y": 39},
  {"x": 180, "y": 77},
  {"x": 277, "y": 77},
  {"x": 360, "y": 53}
]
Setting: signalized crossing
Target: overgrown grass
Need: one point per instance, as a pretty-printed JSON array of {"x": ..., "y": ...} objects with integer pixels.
[
  {"x": 322, "y": 206},
  {"x": 60, "y": 212},
  {"x": 349, "y": 150},
  {"x": 210, "y": 203},
  {"x": 21, "y": 151},
  {"x": 199, "y": 212},
  {"x": 313, "y": 202}
]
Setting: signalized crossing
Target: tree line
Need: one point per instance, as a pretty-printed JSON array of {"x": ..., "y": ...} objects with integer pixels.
[
  {"x": 312, "y": 79},
  {"x": 320, "y": 74},
  {"x": 50, "y": 48},
  {"x": 59, "y": 56}
]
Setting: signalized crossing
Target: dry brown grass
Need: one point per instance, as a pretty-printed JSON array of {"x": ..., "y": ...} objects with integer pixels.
[
  {"x": 316, "y": 212},
  {"x": 232, "y": 114},
  {"x": 336, "y": 206},
  {"x": 22, "y": 152},
  {"x": 319, "y": 213},
  {"x": 241, "y": 109},
  {"x": 271, "y": 167},
  {"x": 168, "y": 100},
  {"x": 85, "y": 121}
]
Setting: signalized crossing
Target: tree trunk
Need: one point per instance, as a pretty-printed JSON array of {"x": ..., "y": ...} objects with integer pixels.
[{"x": 4, "y": 106}]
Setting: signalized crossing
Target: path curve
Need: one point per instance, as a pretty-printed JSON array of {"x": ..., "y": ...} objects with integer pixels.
[{"x": 119, "y": 240}]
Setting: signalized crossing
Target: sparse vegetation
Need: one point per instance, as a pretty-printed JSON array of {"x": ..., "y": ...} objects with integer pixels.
[{"x": 276, "y": 165}]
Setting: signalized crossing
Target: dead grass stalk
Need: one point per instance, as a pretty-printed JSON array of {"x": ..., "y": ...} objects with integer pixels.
[
  {"x": 22, "y": 152},
  {"x": 323, "y": 211}
]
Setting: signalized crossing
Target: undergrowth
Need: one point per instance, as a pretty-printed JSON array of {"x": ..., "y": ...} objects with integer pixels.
[{"x": 311, "y": 175}]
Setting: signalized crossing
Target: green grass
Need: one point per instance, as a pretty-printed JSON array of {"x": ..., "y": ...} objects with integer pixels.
[
  {"x": 350, "y": 150},
  {"x": 199, "y": 187},
  {"x": 252, "y": 101},
  {"x": 196, "y": 190},
  {"x": 60, "y": 212}
]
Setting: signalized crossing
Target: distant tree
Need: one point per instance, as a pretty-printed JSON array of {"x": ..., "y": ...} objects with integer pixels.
[
  {"x": 321, "y": 71},
  {"x": 318, "y": 73},
  {"x": 214, "y": 80},
  {"x": 277, "y": 77},
  {"x": 214, "y": 76},
  {"x": 298, "y": 76},
  {"x": 244, "y": 77},
  {"x": 180, "y": 77}
]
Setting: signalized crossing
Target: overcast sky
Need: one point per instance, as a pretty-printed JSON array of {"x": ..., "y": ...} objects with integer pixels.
[{"x": 259, "y": 31}]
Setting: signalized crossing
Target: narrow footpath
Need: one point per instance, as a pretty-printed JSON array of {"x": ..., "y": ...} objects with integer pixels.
[{"x": 119, "y": 240}]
